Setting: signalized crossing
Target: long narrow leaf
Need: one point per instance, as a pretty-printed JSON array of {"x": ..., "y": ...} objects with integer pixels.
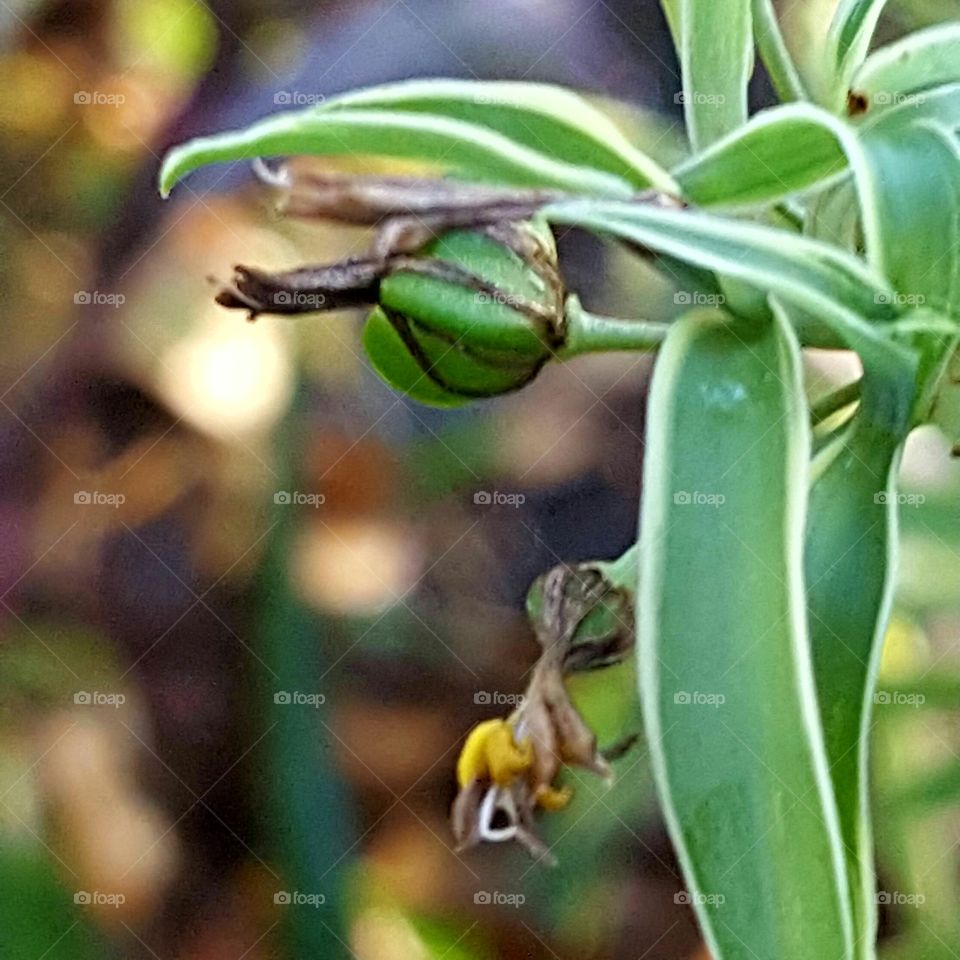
[
  {"x": 781, "y": 151},
  {"x": 852, "y": 531},
  {"x": 916, "y": 241},
  {"x": 726, "y": 678},
  {"x": 819, "y": 280},
  {"x": 546, "y": 118},
  {"x": 814, "y": 274},
  {"x": 939, "y": 104},
  {"x": 918, "y": 62},
  {"x": 774, "y": 53},
  {"x": 850, "y": 565},
  {"x": 716, "y": 57},
  {"x": 463, "y": 148},
  {"x": 848, "y": 41}
]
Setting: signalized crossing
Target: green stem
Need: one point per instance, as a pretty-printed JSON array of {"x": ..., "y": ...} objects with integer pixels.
[
  {"x": 309, "y": 811},
  {"x": 622, "y": 572},
  {"x": 592, "y": 333},
  {"x": 773, "y": 52},
  {"x": 827, "y": 406}
]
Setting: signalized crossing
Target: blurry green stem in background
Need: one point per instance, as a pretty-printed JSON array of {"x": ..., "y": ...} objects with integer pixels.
[
  {"x": 776, "y": 57},
  {"x": 308, "y": 811}
]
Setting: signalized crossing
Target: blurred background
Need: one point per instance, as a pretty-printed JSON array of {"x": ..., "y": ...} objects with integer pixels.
[{"x": 252, "y": 601}]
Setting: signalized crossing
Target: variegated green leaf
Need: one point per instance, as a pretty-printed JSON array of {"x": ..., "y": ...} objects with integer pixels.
[
  {"x": 462, "y": 148},
  {"x": 826, "y": 285},
  {"x": 548, "y": 119},
  {"x": 847, "y": 43},
  {"x": 850, "y": 566},
  {"x": 776, "y": 57},
  {"x": 726, "y": 679},
  {"x": 781, "y": 151},
  {"x": 915, "y": 238},
  {"x": 716, "y": 59},
  {"x": 897, "y": 73}
]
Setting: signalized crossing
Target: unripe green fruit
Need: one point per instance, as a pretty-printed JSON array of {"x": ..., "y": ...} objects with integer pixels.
[{"x": 474, "y": 316}]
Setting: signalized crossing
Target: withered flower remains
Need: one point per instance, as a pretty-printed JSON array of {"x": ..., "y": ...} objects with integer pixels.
[{"x": 508, "y": 768}]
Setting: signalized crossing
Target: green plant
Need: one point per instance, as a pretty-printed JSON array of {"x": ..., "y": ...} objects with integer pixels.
[{"x": 767, "y": 548}]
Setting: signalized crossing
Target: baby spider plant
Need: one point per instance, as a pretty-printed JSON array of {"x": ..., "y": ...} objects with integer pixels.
[{"x": 761, "y": 578}]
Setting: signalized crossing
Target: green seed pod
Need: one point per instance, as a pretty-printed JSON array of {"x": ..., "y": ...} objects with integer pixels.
[{"x": 475, "y": 314}]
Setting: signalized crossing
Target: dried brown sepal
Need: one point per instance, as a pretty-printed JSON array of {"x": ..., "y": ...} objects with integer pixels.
[{"x": 492, "y": 807}]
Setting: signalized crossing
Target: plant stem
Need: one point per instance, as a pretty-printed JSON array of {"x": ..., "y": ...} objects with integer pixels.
[
  {"x": 827, "y": 406},
  {"x": 593, "y": 333},
  {"x": 622, "y": 572},
  {"x": 773, "y": 51},
  {"x": 309, "y": 810}
]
